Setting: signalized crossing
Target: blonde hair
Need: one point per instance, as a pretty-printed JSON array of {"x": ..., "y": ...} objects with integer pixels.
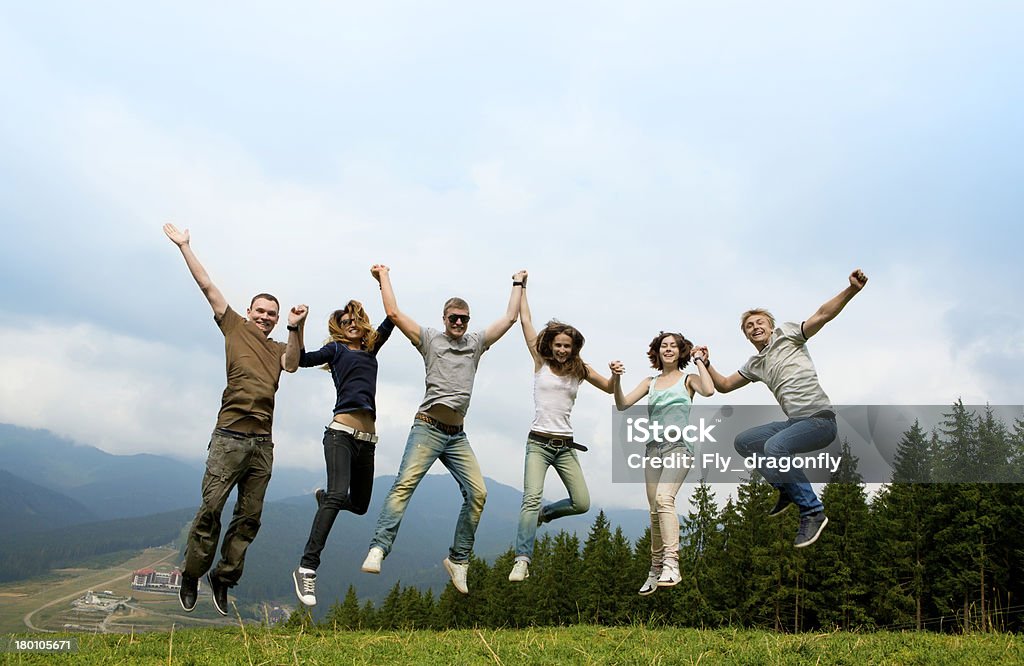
[
  {"x": 336, "y": 333},
  {"x": 756, "y": 311}
]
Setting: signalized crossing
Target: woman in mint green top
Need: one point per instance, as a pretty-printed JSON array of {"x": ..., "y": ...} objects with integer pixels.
[{"x": 669, "y": 395}]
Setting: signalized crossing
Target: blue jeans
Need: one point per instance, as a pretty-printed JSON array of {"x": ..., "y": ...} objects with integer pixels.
[
  {"x": 425, "y": 445},
  {"x": 782, "y": 439},
  {"x": 539, "y": 458},
  {"x": 349, "y": 485}
]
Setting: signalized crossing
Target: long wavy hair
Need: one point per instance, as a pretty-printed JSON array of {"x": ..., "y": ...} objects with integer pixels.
[
  {"x": 354, "y": 309},
  {"x": 685, "y": 347},
  {"x": 573, "y": 365}
]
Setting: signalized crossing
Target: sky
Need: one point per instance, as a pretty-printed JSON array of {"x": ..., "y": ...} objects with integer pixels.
[{"x": 654, "y": 165}]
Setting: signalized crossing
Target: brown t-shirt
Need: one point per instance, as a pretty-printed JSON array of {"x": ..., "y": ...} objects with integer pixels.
[{"x": 254, "y": 369}]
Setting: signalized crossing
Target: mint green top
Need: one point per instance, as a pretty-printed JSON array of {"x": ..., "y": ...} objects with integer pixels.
[{"x": 670, "y": 406}]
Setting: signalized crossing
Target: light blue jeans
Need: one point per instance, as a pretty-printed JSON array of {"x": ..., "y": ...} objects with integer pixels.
[
  {"x": 539, "y": 458},
  {"x": 425, "y": 445},
  {"x": 782, "y": 439}
]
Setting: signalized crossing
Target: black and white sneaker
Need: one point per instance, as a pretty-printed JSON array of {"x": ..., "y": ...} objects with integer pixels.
[
  {"x": 189, "y": 593},
  {"x": 810, "y": 529},
  {"x": 219, "y": 591},
  {"x": 305, "y": 586}
]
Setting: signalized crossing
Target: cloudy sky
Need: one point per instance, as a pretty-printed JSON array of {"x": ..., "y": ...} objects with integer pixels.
[{"x": 654, "y": 166}]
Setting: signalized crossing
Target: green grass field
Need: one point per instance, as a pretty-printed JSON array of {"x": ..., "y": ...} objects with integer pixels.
[{"x": 567, "y": 645}]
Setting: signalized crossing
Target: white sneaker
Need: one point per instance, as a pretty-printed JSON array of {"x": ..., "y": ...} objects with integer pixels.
[
  {"x": 457, "y": 571},
  {"x": 305, "y": 587},
  {"x": 669, "y": 575},
  {"x": 373, "y": 559},
  {"x": 520, "y": 571},
  {"x": 650, "y": 585}
]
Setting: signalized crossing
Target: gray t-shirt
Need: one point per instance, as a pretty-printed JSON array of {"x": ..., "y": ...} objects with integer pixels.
[
  {"x": 785, "y": 367},
  {"x": 450, "y": 367}
]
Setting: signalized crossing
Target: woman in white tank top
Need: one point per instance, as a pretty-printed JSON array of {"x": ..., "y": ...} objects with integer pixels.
[
  {"x": 558, "y": 373},
  {"x": 669, "y": 396}
]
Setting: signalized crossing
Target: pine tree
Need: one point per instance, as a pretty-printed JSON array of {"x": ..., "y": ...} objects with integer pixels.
[
  {"x": 698, "y": 557},
  {"x": 836, "y": 578},
  {"x": 344, "y": 615},
  {"x": 598, "y": 569}
]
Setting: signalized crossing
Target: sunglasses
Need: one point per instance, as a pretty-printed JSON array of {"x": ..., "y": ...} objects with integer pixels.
[
  {"x": 454, "y": 319},
  {"x": 345, "y": 323}
]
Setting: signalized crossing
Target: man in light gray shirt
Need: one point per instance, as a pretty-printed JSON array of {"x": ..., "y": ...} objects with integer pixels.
[
  {"x": 783, "y": 363},
  {"x": 450, "y": 358}
]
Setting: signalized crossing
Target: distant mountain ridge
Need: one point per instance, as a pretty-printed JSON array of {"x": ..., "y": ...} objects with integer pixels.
[
  {"x": 117, "y": 486},
  {"x": 29, "y": 507}
]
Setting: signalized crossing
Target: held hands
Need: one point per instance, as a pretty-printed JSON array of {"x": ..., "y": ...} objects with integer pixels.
[
  {"x": 179, "y": 238},
  {"x": 858, "y": 279},
  {"x": 297, "y": 315},
  {"x": 377, "y": 270},
  {"x": 520, "y": 276},
  {"x": 701, "y": 352},
  {"x": 618, "y": 368}
]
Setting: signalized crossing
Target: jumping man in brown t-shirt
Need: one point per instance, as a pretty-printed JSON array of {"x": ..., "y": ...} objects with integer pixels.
[{"x": 241, "y": 450}]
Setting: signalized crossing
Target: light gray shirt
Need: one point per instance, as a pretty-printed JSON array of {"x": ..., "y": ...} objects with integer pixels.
[
  {"x": 785, "y": 367},
  {"x": 450, "y": 368}
]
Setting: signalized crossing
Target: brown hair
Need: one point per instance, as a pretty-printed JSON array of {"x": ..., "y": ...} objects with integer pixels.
[
  {"x": 756, "y": 311},
  {"x": 573, "y": 365},
  {"x": 685, "y": 347},
  {"x": 355, "y": 310},
  {"x": 266, "y": 296},
  {"x": 455, "y": 302}
]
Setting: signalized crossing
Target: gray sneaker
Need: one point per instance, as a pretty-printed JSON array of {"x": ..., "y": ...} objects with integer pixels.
[
  {"x": 305, "y": 587},
  {"x": 810, "y": 529}
]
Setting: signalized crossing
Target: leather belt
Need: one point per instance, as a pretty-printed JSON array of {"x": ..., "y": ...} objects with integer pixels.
[
  {"x": 443, "y": 427},
  {"x": 357, "y": 434},
  {"x": 557, "y": 442}
]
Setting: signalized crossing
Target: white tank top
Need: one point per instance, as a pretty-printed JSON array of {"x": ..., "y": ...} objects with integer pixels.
[{"x": 553, "y": 398}]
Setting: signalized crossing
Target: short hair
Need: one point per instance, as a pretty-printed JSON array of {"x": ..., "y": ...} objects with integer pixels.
[
  {"x": 455, "y": 302},
  {"x": 685, "y": 347},
  {"x": 756, "y": 311},
  {"x": 573, "y": 365},
  {"x": 266, "y": 296}
]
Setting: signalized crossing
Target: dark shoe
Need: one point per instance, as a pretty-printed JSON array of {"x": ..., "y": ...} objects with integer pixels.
[
  {"x": 781, "y": 505},
  {"x": 189, "y": 593},
  {"x": 305, "y": 587},
  {"x": 810, "y": 529},
  {"x": 220, "y": 593}
]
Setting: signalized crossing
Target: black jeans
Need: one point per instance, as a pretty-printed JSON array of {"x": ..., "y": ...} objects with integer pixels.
[{"x": 349, "y": 485}]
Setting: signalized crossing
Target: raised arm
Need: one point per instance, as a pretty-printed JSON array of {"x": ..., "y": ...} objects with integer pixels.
[
  {"x": 722, "y": 383},
  {"x": 701, "y": 382},
  {"x": 202, "y": 278},
  {"x": 529, "y": 332},
  {"x": 833, "y": 306},
  {"x": 296, "y": 330},
  {"x": 606, "y": 384},
  {"x": 624, "y": 401},
  {"x": 404, "y": 322},
  {"x": 499, "y": 328}
]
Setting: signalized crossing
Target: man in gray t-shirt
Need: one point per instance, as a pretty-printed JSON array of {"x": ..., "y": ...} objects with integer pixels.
[
  {"x": 450, "y": 358},
  {"x": 783, "y": 363}
]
